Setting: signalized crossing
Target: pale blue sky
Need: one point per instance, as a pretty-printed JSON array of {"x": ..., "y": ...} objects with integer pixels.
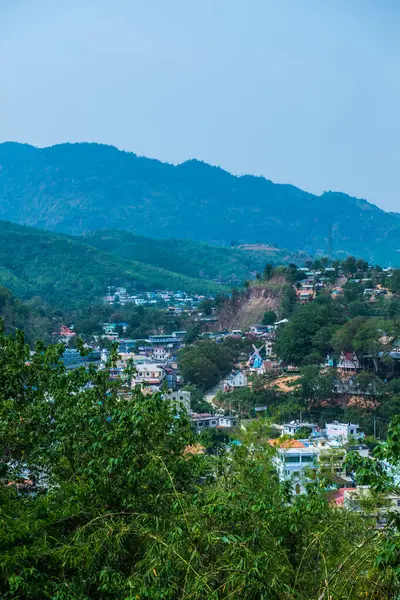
[{"x": 301, "y": 91}]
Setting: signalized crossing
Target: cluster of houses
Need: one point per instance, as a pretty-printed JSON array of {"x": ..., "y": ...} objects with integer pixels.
[
  {"x": 176, "y": 303},
  {"x": 154, "y": 361},
  {"x": 325, "y": 449},
  {"x": 315, "y": 281}
]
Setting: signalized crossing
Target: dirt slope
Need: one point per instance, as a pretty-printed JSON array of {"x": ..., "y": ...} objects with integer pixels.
[{"x": 248, "y": 308}]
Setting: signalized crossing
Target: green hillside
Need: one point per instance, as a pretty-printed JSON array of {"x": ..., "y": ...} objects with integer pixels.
[
  {"x": 77, "y": 188},
  {"x": 66, "y": 271},
  {"x": 32, "y": 316},
  {"x": 190, "y": 258}
]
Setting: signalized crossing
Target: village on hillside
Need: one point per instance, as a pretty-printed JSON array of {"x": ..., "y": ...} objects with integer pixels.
[{"x": 301, "y": 446}]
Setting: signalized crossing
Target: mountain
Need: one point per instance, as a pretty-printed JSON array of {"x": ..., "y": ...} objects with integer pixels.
[
  {"x": 77, "y": 188},
  {"x": 188, "y": 257},
  {"x": 68, "y": 272}
]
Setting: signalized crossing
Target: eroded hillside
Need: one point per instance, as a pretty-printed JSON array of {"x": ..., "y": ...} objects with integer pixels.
[{"x": 248, "y": 307}]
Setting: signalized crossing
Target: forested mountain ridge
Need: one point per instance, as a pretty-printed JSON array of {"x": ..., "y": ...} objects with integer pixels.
[
  {"x": 77, "y": 188},
  {"x": 188, "y": 257},
  {"x": 65, "y": 271}
]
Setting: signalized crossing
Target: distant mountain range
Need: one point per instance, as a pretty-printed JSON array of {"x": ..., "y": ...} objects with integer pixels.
[{"x": 81, "y": 188}]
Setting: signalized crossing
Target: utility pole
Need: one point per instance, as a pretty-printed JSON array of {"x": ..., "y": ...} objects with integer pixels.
[{"x": 330, "y": 248}]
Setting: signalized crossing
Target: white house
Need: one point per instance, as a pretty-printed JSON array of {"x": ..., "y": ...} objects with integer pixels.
[
  {"x": 227, "y": 422},
  {"x": 343, "y": 431},
  {"x": 295, "y": 462},
  {"x": 236, "y": 379},
  {"x": 160, "y": 354},
  {"x": 269, "y": 347},
  {"x": 293, "y": 427},
  {"x": 259, "y": 329},
  {"x": 206, "y": 421}
]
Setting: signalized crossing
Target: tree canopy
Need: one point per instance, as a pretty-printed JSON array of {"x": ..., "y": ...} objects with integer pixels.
[{"x": 103, "y": 497}]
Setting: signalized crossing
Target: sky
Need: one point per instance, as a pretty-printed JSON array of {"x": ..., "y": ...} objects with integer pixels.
[{"x": 305, "y": 92}]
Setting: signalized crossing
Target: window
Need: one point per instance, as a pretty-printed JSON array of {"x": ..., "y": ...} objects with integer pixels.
[
  {"x": 307, "y": 459},
  {"x": 398, "y": 502},
  {"x": 292, "y": 459}
]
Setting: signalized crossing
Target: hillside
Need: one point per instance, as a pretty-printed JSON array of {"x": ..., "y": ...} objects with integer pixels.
[
  {"x": 76, "y": 188},
  {"x": 248, "y": 308},
  {"x": 32, "y": 317},
  {"x": 190, "y": 258},
  {"x": 66, "y": 272}
]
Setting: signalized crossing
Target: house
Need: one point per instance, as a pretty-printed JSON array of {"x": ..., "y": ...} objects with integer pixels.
[
  {"x": 179, "y": 399},
  {"x": 305, "y": 296},
  {"x": 354, "y": 498},
  {"x": 179, "y": 334},
  {"x": 165, "y": 340},
  {"x": 206, "y": 421},
  {"x": 269, "y": 366},
  {"x": 110, "y": 331},
  {"x": 227, "y": 422},
  {"x": 295, "y": 462},
  {"x": 348, "y": 361},
  {"x": 259, "y": 329},
  {"x": 72, "y": 358},
  {"x": 234, "y": 380},
  {"x": 203, "y": 421},
  {"x": 343, "y": 431},
  {"x": 294, "y": 426},
  {"x": 65, "y": 333},
  {"x": 269, "y": 348},
  {"x": 171, "y": 376},
  {"x": 149, "y": 375},
  {"x": 159, "y": 353}
]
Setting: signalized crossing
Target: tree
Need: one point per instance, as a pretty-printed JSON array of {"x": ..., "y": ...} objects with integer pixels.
[
  {"x": 309, "y": 331},
  {"x": 350, "y": 265},
  {"x": 269, "y": 317},
  {"x": 268, "y": 271},
  {"x": 362, "y": 265},
  {"x": 206, "y": 307},
  {"x": 302, "y": 433},
  {"x": 395, "y": 281}
]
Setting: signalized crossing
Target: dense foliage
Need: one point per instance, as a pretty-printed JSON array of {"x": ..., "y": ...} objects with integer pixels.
[
  {"x": 204, "y": 363},
  {"x": 308, "y": 336},
  {"x": 77, "y": 188},
  {"x": 66, "y": 271},
  {"x": 100, "y": 499},
  {"x": 190, "y": 258},
  {"x": 33, "y": 316}
]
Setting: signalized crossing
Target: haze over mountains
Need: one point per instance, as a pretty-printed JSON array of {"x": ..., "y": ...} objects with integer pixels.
[{"x": 81, "y": 188}]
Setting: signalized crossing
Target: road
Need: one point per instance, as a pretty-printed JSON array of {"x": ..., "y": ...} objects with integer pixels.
[{"x": 210, "y": 395}]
